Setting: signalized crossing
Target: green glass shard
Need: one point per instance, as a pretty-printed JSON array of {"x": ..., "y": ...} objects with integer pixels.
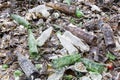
[
  {"x": 93, "y": 66},
  {"x": 17, "y": 73},
  {"x": 79, "y": 13},
  {"x": 20, "y": 20},
  {"x": 66, "y": 60},
  {"x": 32, "y": 44},
  {"x": 110, "y": 56}
]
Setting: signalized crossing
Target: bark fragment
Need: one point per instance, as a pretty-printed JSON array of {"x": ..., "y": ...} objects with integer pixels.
[{"x": 5, "y": 5}]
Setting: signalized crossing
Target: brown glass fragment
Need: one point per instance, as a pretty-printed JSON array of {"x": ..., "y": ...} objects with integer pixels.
[
  {"x": 90, "y": 39},
  {"x": 119, "y": 25},
  {"x": 62, "y": 7},
  {"x": 108, "y": 34},
  {"x": 95, "y": 52},
  {"x": 91, "y": 25},
  {"x": 115, "y": 22},
  {"x": 27, "y": 66},
  {"x": 115, "y": 18}
]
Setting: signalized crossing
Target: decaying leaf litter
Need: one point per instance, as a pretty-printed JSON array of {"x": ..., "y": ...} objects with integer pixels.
[{"x": 60, "y": 40}]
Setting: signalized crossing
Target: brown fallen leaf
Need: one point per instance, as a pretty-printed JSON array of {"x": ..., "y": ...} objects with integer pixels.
[
  {"x": 115, "y": 22},
  {"x": 5, "y": 5},
  {"x": 10, "y": 58}
]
